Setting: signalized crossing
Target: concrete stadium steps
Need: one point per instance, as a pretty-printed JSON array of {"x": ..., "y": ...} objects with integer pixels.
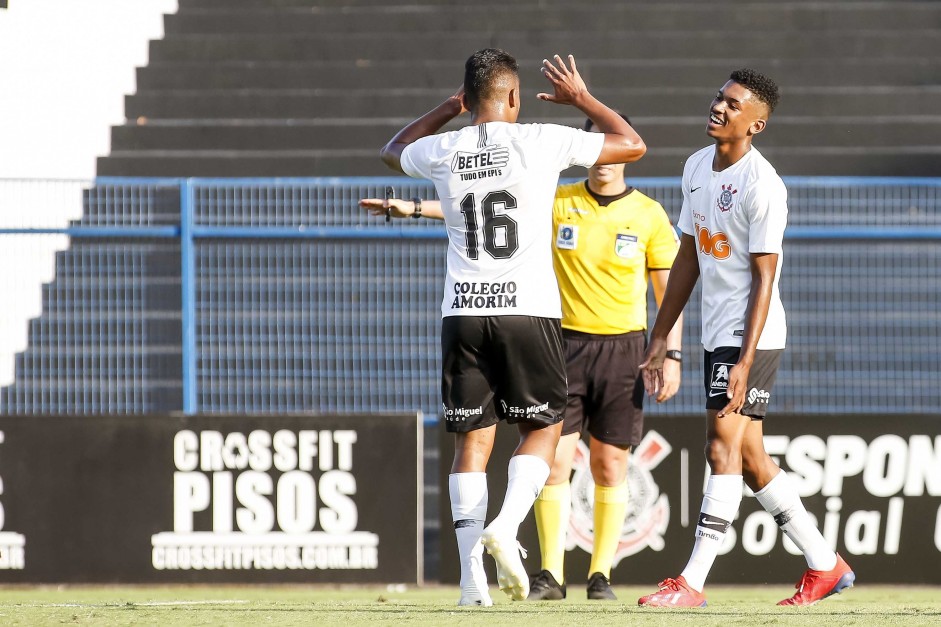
[
  {"x": 659, "y": 132},
  {"x": 109, "y": 339},
  {"x": 362, "y": 106},
  {"x": 320, "y": 5},
  {"x": 113, "y": 363},
  {"x": 422, "y": 74},
  {"x": 77, "y": 394},
  {"x": 823, "y": 161},
  {"x": 538, "y": 44},
  {"x": 109, "y": 205},
  {"x": 234, "y": 84},
  {"x": 267, "y": 18},
  {"x": 156, "y": 324}
]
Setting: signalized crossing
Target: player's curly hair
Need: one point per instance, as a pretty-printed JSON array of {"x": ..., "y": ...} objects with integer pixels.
[
  {"x": 763, "y": 87},
  {"x": 481, "y": 71}
]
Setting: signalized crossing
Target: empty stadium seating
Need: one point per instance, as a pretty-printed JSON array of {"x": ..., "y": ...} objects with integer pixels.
[{"x": 315, "y": 87}]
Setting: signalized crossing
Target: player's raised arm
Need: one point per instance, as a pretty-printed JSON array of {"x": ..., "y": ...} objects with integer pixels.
[
  {"x": 431, "y": 122},
  {"x": 622, "y": 144}
]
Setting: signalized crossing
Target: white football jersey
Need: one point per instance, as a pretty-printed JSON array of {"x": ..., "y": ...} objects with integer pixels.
[
  {"x": 731, "y": 214},
  {"x": 497, "y": 182}
]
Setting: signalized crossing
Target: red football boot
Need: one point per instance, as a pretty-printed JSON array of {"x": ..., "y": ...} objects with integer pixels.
[
  {"x": 673, "y": 593},
  {"x": 817, "y": 585}
]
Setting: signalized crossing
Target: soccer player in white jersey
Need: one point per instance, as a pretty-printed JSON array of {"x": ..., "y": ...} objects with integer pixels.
[
  {"x": 732, "y": 222},
  {"x": 501, "y": 339}
]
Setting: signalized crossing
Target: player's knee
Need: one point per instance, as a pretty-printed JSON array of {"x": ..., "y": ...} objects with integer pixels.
[
  {"x": 608, "y": 472},
  {"x": 722, "y": 456}
]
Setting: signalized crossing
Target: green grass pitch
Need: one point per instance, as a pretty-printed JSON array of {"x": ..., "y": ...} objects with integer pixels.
[{"x": 433, "y": 605}]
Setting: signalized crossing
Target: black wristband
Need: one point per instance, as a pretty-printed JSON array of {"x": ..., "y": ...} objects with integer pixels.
[
  {"x": 417, "y": 213},
  {"x": 675, "y": 356}
]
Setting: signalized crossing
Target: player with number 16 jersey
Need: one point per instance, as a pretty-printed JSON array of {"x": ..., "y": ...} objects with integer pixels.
[
  {"x": 497, "y": 182},
  {"x": 501, "y": 339}
]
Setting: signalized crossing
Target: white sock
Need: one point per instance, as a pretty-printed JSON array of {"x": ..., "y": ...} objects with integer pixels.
[
  {"x": 720, "y": 503},
  {"x": 526, "y": 477},
  {"x": 781, "y": 500},
  {"x": 468, "y": 492}
]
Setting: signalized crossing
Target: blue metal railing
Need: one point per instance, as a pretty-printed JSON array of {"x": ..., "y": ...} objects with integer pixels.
[{"x": 241, "y": 214}]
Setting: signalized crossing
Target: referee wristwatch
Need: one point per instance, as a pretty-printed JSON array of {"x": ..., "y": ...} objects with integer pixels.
[
  {"x": 416, "y": 202},
  {"x": 675, "y": 356}
]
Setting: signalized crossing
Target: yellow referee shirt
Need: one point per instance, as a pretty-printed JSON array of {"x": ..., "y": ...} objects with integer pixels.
[{"x": 602, "y": 255}]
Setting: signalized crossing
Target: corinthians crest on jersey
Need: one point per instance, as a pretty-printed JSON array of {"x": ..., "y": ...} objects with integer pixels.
[
  {"x": 648, "y": 511},
  {"x": 726, "y": 198}
]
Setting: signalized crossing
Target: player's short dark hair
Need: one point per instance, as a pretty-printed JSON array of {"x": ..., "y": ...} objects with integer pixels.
[
  {"x": 481, "y": 71},
  {"x": 589, "y": 122},
  {"x": 763, "y": 87}
]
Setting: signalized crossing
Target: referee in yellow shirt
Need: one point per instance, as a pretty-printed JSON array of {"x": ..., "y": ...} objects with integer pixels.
[{"x": 608, "y": 239}]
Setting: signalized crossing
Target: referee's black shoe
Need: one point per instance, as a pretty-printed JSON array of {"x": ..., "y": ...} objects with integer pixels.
[
  {"x": 599, "y": 588},
  {"x": 544, "y": 587}
]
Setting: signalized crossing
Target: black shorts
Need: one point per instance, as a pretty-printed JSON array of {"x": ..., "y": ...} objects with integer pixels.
[
  {"x": 606, "y": 392},
  {"x": 501, "y": 368},
  {"x": 716, "y": 366}
]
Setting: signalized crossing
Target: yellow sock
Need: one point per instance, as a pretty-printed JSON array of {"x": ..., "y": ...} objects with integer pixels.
[
  {"x": 610, "y": 509},
  {"x": 553, "y": 507}
]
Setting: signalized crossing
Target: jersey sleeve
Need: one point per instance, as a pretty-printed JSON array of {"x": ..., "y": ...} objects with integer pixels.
[
  {"x": 686, "y": 213},
  {"x": 767, "y": 217},
  {"x": 663, "y": 244},
  {"x": 416, "y": 158},
  {"x": 566, "y": 146}
]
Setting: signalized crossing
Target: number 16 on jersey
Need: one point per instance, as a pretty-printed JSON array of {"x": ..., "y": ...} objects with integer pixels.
[{"x": 500, "y": 237}]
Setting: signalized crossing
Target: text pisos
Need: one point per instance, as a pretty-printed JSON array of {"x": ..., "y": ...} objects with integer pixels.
[{"x": 263, "y": 500}]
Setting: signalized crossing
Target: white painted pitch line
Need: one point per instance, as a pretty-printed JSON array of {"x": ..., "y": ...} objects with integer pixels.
[
  {"x": 208, "y": 602},
  {"x": 146, "y": 604}
]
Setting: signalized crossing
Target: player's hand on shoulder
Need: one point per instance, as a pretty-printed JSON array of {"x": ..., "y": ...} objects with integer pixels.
[
  {"x": 567, "y": 83},
  {"x": 396, "y": 207}
]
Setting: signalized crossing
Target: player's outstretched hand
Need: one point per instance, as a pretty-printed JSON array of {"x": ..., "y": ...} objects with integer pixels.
[
  {"x": 394, "y": 207},
  {"x": 652, "y": 366},
  {"x": 566, "y": 81}
]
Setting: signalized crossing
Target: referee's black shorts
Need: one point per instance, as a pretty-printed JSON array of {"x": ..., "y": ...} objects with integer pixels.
[
  {"x": 606, "y": 393},
  {"x": 501, "y": 368}
]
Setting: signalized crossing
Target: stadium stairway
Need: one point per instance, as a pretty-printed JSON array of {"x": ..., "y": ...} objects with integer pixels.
[
  {"x": 315, "y": 87},
  {"x": 109, "y": 337}
]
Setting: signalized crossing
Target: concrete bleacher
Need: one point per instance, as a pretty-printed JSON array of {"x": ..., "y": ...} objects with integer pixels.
[
  {"x": 315, "y": 87},
  {"x": 104, "y": 336}
]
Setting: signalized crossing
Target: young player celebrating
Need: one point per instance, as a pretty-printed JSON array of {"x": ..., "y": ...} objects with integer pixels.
[
  {"x": 733, "y": 219},
  {"x": 500, "y": 338},
  {"x": 609, "y": 238}
]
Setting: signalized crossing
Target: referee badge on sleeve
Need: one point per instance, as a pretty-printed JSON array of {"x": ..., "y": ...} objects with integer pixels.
[
  {"x": 567, "y": 237},
  {"x": 625, "y": 246}
]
